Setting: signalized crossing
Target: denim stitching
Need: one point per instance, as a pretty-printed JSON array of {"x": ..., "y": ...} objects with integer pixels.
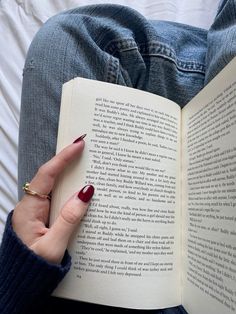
[
  {"x": 112, "y": 70},
  {"x": 155, "y": 49}
]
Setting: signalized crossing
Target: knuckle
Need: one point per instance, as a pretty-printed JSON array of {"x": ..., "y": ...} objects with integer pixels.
[
  {"x": 46, "y": 170},
  {"x": 63, "y": 160},
  {"x": 43, "y": 169},
  {"x": 71, "y": 215}
]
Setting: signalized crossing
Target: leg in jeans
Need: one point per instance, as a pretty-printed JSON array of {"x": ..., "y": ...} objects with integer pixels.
[
  {"x": 221, "y": 39},
  {"x": 108, "y": 43},
  {"x": 114, "y": 44}
]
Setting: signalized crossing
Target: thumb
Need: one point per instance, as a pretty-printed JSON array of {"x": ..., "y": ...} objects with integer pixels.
[
  {"x": 55, "y": 241},
  {"x": 71, "y": 214}
]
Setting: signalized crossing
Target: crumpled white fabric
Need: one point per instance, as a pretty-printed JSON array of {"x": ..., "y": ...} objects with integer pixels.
[{"x": 19, "y": 21}]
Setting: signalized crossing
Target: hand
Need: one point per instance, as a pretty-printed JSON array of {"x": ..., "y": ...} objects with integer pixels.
[{"x": 31, "y": 215}]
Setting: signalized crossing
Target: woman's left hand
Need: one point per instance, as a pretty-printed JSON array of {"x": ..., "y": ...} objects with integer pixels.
[{"x": 31, "y": 215}]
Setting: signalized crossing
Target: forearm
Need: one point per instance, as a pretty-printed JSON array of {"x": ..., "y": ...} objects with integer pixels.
[{"x": 25, "y": 278}]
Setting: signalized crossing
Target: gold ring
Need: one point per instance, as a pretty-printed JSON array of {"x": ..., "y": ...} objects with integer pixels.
[{"x": 34, "y": 193}]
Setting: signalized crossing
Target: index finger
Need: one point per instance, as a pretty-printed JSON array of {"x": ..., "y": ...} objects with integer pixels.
[{"x": 44, "y": 179}]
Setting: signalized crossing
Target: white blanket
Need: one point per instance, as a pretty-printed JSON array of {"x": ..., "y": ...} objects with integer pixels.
[{"x": 19, "y": 21}]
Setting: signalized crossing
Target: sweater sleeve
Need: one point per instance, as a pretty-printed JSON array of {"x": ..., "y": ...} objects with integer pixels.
[{"x": 26, "y": 279}]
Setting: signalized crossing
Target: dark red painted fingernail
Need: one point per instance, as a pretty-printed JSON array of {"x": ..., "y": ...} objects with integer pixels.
[
  {"x": 86, "y": 193},
  {"x": 79, "y": 138}
]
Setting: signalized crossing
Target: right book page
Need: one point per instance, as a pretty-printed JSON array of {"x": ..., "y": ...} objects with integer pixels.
[{"x": 209, "y": 197}]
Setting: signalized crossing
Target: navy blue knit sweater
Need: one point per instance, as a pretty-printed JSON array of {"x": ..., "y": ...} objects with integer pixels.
[{"x": 26, "y": 280}]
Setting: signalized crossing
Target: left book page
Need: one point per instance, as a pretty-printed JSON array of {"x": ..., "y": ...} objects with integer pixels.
[{"x": 127, "y": 250}]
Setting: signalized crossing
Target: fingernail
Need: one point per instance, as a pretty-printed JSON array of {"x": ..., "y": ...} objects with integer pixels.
[
  {"x": 86, "y": 193},
  {"x": 79, "y": 138}
]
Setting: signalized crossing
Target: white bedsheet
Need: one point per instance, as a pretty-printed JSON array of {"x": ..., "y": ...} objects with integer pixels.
[{"x": 19, "y": 21}]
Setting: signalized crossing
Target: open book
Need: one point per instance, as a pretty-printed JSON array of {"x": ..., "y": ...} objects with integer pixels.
[{"x": 161, "y": 228}]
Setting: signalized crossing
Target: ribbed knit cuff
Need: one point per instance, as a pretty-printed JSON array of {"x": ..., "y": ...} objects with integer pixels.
[{"x": 26, "y": 279}]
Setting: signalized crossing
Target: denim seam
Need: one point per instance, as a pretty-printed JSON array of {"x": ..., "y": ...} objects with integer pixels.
[
  {"x": 155, "y": 49},
  {"x": 112, "y": 70}
]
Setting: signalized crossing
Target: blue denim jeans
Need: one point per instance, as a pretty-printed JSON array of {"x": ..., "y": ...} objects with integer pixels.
[{"x": 115, "y": 44}]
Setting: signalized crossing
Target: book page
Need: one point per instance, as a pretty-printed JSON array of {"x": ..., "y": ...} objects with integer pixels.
[
  {"x": 127, "y": 250},
  {"x": 209, "y": 197}
]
